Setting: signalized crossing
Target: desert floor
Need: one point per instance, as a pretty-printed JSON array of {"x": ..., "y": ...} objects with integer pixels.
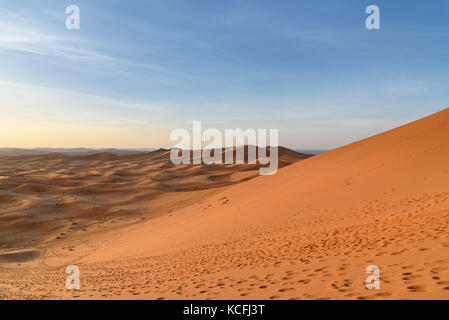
[{"x": 140, "y": 229}]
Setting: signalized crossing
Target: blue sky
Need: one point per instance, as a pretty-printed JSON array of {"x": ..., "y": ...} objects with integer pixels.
[{"x": 138, "y": 69}]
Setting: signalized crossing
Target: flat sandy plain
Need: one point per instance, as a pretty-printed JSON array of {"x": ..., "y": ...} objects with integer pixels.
[{"x": 138, "y": 228}]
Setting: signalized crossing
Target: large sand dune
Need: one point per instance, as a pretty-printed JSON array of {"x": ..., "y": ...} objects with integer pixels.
[{"x": 307, "y": 232}]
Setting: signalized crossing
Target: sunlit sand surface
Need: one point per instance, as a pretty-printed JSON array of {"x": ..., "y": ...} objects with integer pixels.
[{"x": 139, "y": 228}]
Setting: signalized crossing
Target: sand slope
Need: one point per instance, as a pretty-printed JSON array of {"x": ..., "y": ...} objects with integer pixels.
[
  {"x": 307, "y": 232},
  {"x": 52, "y": 197}
]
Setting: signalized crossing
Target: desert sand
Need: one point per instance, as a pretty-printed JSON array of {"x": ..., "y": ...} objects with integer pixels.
[{"x": 307, "y": 232}]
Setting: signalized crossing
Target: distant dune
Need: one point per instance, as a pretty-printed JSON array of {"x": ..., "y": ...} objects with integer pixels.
[
  {"x": 311, "y": 151},
  {"x": 308, "y": 232},
  {"x": 66, "y": 151},
  {"x": 20, "y": 152},
  {"x": 49, "y": 197}
]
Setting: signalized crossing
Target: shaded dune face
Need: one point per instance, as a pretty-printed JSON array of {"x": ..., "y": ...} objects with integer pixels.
[
  {"x": 52, "y": 197},
  {"x": 285, "y": 155},
  {"x": 308, "y": 232}
]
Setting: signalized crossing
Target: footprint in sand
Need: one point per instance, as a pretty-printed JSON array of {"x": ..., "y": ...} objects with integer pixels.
[
  {"x": 416, "y": 288},
  {"x": 286, "y": 290}
]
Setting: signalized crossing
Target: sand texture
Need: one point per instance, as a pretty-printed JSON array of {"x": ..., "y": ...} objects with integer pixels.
[{"x": 154, "y": 231}]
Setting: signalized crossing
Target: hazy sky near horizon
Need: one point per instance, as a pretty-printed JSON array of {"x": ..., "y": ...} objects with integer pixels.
[{"x": 136, "y": 70}]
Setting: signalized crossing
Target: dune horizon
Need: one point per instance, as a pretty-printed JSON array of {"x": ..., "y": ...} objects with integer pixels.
[{"x": 224, "y": 232}]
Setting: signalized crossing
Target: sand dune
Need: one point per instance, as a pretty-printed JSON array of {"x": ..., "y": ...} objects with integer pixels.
[
  {"x": 49, "y": 197},
  {"x": 308, "y": 232}
]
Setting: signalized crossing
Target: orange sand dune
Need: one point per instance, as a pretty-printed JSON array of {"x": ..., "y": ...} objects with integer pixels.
[
  {"x": 53, "y": 197},
  {"x": 308, "y": 232}
]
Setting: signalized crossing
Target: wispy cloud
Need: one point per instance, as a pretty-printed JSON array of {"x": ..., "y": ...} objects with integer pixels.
[
  {"x": 22, "y": 98},
  {"x": 20, "y": 32},
  {"x": 17, "y": 34}
]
